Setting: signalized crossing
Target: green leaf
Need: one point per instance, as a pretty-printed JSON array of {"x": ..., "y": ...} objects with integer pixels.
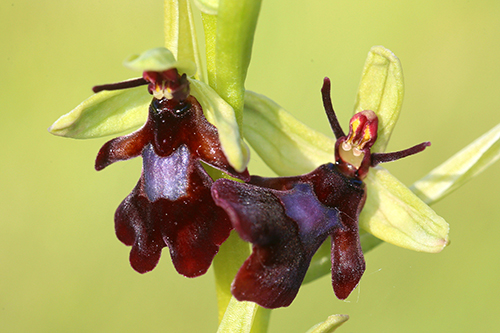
[
  {"x": 396, "y": 215},
  {"x": 460, "y": 168},
  {"x": 381, "y": 90},
  {"x": 180, "y": 33},
  {"x": 286, "y": 145},
  {"x": 221, "y": 114},
  {"x": 330, "y": 324},
  {"x": 159, "y": 59},
  {"x": 105, "y": 113}
]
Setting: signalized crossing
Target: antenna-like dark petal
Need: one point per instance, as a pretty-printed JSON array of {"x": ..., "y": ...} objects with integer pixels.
[
  {"x": 132, "y": 83},
  {"x": 378, "y": 158},
  {"x": 327, "y": 103}
]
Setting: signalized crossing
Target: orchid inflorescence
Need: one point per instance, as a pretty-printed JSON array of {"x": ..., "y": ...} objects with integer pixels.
[
  {"x": 176, "y": 204},
  {"x": 195, "y": 186}
]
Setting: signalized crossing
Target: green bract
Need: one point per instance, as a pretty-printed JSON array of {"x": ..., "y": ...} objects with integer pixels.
[
  {"x": 229, "y": 39},
  {"x": 286, "y": 145}
]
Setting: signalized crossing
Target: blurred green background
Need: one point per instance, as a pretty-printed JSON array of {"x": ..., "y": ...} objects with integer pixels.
[{"x": 63, "y": 270}]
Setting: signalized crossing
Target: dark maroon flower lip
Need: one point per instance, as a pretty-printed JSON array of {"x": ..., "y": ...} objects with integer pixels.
[
  {"x": 287, "y": 218},
  {"x": 171, "y": 205}
]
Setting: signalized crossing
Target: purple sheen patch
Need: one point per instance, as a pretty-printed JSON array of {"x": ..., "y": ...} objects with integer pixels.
[
  {"x": 165, "y": 177},
  {"x": 313, "y": 218}
]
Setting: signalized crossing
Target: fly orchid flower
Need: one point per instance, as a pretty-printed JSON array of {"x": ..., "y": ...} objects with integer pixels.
[
  {"x": 171, "y": 204},
  {"x": 288, "y": 218}
]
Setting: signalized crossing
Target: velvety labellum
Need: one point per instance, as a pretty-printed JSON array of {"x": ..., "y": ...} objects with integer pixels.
[
  {"x": 172, "y": 204},
  {"x": 287, "y": 219}
]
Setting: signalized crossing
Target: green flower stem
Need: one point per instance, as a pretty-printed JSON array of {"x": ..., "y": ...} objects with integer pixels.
[
  {"x": 244, "y": 317},
  {"x": 228, "y": 41}
]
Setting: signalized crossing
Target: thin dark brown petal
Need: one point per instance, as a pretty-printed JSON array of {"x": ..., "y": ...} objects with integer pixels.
[
  {"x": 377, "y": 158},
  {"x": 122, "y": 148},
  {"x": 120, "y": 85},
  {"x": 327, "y": 103}
]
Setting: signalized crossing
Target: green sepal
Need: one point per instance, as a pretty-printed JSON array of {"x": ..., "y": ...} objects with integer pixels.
[
  {"x": 330, "y": 324},
  {"x": 285, "y": 144},
  {"x": 381, "y": 90},
  {"x": 159, "y": 59},
  {"x": 396, "y": 215},
  {"x": 221, "y": 114},
  {"x": 460, "y": 168},
  {"x": 105, "y": 113}
]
